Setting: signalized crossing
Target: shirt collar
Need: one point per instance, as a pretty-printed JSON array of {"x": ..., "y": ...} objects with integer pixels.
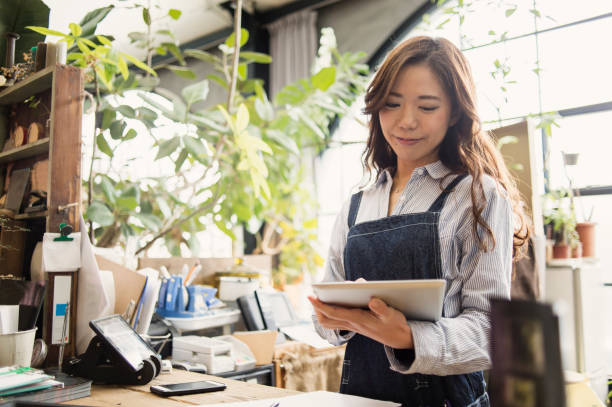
[{"x": 436, "y": 170}]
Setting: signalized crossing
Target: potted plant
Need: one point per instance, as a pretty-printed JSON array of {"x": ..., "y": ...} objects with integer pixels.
[{"x": 561, "y": 226}]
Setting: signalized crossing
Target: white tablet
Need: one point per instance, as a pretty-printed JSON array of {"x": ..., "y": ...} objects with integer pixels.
[{"x": 417, "y": 299}]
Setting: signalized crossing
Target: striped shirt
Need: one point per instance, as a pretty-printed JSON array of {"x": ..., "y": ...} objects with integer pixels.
[{"x": 459, "y": 341}]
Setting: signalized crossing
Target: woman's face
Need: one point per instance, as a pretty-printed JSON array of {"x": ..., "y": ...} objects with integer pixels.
[{"x": 416, "y": 116}]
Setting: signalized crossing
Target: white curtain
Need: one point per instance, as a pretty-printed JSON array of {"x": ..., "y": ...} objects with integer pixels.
[{"x": 293, "y": 47}]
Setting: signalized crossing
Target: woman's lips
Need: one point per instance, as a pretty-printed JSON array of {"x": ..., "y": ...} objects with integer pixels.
[{"x": 408, "y": 141}]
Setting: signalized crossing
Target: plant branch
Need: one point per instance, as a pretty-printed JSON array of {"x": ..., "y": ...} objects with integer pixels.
[
  {"x": 234, "y": 78},
  {"x": 91, "y": 164},
  {"x": 178, "y": 223}
]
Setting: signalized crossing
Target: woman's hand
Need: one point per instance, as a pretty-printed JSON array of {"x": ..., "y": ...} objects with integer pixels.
[{"x": 380, "y": 322}]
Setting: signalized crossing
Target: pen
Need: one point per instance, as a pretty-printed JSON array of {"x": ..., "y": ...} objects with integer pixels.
[
  {"x": 275, "y": 404},
  {"x": 63, "y": 342}
]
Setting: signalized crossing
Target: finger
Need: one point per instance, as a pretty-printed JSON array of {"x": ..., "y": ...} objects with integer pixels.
[
  {"x": 379, "y": 307},
  {"x": 361, "y": 280}
]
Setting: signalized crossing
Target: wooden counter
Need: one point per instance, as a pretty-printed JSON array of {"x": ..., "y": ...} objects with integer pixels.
[{"x": 113, "y": 395}]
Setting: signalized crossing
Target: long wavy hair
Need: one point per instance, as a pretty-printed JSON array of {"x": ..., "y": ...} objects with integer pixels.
[{"x": 465, "y": 148}]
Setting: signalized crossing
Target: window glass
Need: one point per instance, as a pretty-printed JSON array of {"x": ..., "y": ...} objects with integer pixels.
[
  {"x": 506, "y": 85},
  {"x": 575, "y": 67},
  {"x": 555, "y": 13},
  {"x": 590, "y": 136}
]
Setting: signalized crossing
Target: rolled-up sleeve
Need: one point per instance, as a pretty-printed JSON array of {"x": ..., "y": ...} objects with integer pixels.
[
  {"x": 460, "y": 344},
  {"x": 334, "y": 271}
]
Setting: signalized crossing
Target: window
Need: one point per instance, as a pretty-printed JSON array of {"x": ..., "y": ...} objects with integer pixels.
[{"x": 555, "y": 59}]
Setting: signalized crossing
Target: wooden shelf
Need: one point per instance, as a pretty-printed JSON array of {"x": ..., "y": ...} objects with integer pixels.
[
  {"x": 25, "y": 151},
  {"x": 34, "y": 84},
  {"x": 32, "y": 215}
]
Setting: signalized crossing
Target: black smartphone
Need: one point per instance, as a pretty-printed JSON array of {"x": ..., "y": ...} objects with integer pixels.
[{"x": 179, "y": 389}]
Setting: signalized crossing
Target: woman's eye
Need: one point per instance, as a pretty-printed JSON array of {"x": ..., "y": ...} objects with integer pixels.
[
  {"x": 391, "y": 105},
  {"x": 429, "y": 108}
]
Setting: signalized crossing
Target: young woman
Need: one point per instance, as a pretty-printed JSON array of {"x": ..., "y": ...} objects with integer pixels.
[{"x": 443, "y": 206}]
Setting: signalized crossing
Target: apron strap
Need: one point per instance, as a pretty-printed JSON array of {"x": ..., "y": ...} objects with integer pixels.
[
  {"x": 355, "y": 202},
  {"x": 439, "y": 203}
]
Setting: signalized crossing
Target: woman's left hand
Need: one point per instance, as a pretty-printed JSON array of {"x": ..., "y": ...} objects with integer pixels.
[{"x": 380, "y": 322}]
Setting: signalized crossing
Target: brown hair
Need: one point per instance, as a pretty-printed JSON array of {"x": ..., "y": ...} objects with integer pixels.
[{"x": 465, "y": 148}]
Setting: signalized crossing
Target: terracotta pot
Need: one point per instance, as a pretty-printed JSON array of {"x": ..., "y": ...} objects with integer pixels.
[
  {"x": 586, "y": 232},
  {"x": 577, "y": 251},
  {"x": 561, "y": 251}
]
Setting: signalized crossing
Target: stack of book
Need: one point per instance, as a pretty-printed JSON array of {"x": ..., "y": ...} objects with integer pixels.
[{"x": 27, "y": 384}]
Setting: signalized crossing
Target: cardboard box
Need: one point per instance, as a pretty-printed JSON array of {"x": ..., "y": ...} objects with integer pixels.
[{"x": 261, "y": 344}]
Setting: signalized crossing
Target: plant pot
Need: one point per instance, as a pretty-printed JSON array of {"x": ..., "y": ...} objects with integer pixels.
[
  {"x": 561, "y": 251},
  {"x": 577, "y": 251},
  {"x": 586, "y": 232}
]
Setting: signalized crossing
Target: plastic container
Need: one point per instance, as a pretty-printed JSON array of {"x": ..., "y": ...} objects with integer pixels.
[{"x": 16, "y": 348}]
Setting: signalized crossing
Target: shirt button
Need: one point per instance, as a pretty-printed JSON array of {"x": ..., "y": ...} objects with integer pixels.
[{"x": 421, "y": 171}]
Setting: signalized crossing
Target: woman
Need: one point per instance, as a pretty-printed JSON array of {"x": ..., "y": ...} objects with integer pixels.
[{"x": 443, "y": 206}]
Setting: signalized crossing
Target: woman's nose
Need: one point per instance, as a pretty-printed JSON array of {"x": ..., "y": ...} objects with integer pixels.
[{"x": 407, "y": 119}]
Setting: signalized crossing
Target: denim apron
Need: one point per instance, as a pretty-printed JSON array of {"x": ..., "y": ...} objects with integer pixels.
[{"x": 400, "y": 247}]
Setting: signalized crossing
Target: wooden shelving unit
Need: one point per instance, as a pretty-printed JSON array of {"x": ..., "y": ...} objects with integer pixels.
[
  {"x": 29, "y": 150},
  {"x": 56, "y": 160},
  {"x": 37, "y": 83}
]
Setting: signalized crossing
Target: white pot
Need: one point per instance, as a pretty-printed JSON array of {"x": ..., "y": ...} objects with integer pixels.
[{"x": 16, "y": 348}]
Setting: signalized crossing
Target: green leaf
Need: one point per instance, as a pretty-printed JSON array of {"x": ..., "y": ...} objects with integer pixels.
[
  {"x": 46, "y": 31},
  {"x": 130, "y": 135},
  {"x": 116, "y": 129},
  {"x": 90, "y": 22},
  {"x": 283, "y": 140},
  {"x": 323, "y": 79},
  {"x": 127, "y": 111},
  {"x": 200, "y": 120},
  {"x": 218, "y": 79},
  {"x": 256, "y": 57},
  {"x": 244, "y": 37},
  {"x": 182, "y": 72},
  {"x": 104, "y": 40},
  {"x": 138, "y": 63},
  {"x": 174, "y": 13},
  {"x": 195, "y": 147},
  {"x": 310, "y": 224},
  {"x": 196, "y": 92},
  {"x": 535, "y": 12},
  {"x": 167, "y": 147},
  {"x": 174, "y": 50},
  {"x": 144, "y": 113},
  {"x": 127, "y": 203},
  {"x": 99, "y": 213},
  {"x": 180, "y": 160},
  {"x": 146, "y": 16},
  {"x": 222, "y": 227},
  {"x": 123, "y": 68},
  {"x": 510, "y": 11},
  {"x": 242, "y": 71},
  {"x": 137, "y": 36},
  {"x": 103, "y": 145},
  {"x": 108, "y": 189},
  {"x": 264, "y": 110},
  {"x": 202, "y": 56},
  {"x": 149, "y": 221},
  {"x": 161, "y": 51},
  {"x": 242, "y": 118},
  {"x": 107, "y": 118},
  {"x": 75, "y": 29}
]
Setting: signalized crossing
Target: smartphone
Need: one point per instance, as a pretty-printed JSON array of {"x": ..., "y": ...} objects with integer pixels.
[{"x": 180, "y": 389}]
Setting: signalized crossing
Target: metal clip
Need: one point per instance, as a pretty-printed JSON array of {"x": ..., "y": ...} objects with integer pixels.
[{"x": 62, "y": 208}]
